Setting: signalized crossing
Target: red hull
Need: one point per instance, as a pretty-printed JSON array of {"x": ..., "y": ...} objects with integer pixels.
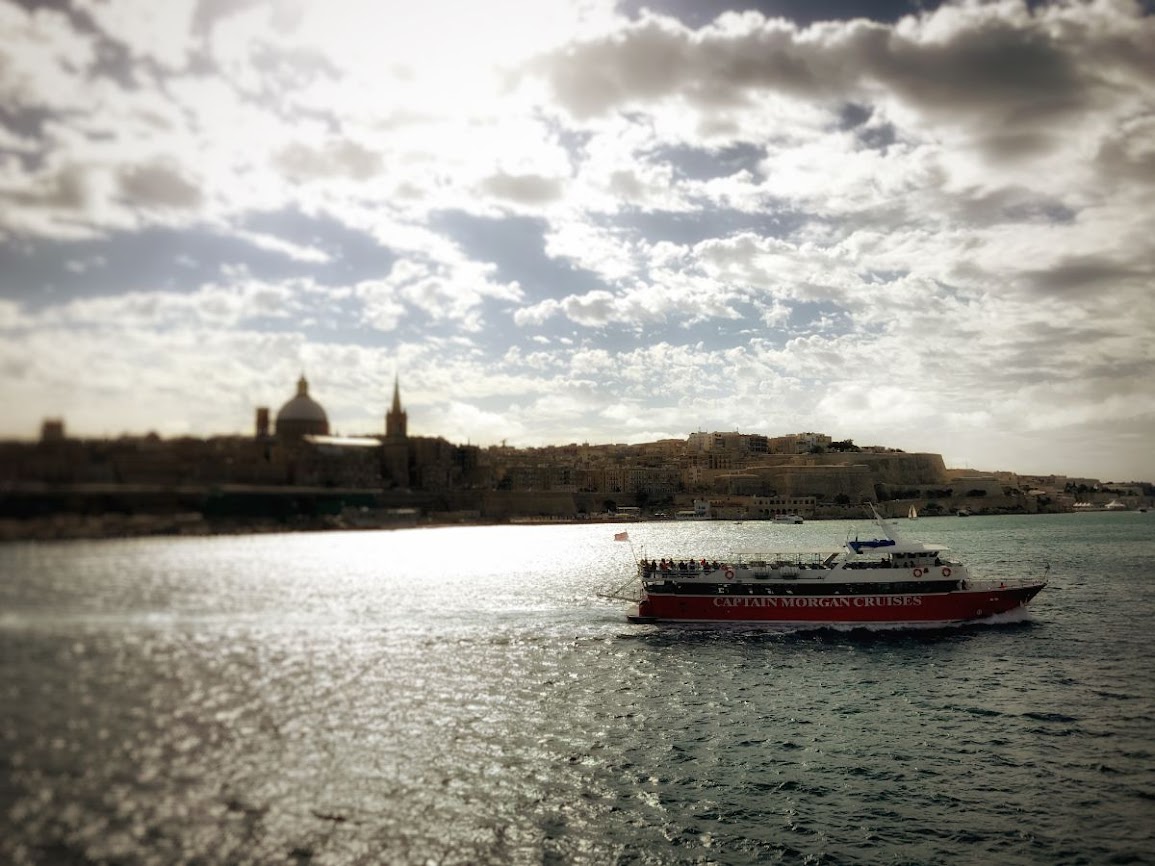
[{"x": 837, "y": 609}]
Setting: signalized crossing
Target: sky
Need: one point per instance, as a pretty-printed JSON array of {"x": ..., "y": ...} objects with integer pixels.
[{"x": 929, "y": 226}]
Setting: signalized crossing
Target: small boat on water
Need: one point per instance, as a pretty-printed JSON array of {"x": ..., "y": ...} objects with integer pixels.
[
  {"x": 788, "y": 518},
  {"x": 886, "y": 580}
]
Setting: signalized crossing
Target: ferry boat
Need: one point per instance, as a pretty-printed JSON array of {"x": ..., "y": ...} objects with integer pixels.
[{"x": 886, "y": 580}]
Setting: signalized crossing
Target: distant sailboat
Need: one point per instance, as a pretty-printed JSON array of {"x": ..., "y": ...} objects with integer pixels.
[{"x": 912, "y": 514}]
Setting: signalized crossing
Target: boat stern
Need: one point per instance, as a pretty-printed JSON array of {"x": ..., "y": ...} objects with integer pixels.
[{"x": 644, "y": 613}]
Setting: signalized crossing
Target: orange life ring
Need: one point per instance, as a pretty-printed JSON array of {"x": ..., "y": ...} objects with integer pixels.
[
  {"x": 918, "y": 572},
  {"x": 729, "y": 574},
  {"x": 946, "y": 572}
]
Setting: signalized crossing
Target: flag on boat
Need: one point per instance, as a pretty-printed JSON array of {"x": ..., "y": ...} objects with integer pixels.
[{"x": 621, "y": 536}]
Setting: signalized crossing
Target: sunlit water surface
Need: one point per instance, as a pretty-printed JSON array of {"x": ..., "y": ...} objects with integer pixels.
[{"x": 462, "y": 695}]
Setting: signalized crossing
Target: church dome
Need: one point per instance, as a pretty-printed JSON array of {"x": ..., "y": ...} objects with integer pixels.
[{"x": 302, "y": 416}]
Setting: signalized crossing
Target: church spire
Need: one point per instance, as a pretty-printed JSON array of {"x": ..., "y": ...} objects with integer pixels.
[{"x": 396, "y": 419}]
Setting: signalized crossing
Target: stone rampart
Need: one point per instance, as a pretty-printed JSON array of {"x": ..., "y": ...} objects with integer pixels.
[{"x": 852, "y": 474}]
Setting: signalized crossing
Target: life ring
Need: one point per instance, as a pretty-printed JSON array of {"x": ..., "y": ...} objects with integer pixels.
[
  {"x": 918, "y": 572},
  {"x": 729, "y": 574},
  {"x": 946, "y": 572}
]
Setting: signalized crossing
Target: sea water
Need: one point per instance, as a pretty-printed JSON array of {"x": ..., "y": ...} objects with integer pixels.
[{"x": 463, "y": 695}]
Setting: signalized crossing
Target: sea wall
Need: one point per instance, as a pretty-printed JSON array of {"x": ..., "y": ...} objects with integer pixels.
[{"x": 504, "y": 504}]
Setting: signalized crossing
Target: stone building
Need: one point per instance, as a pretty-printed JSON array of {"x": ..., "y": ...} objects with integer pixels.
[
  {"x": 395, "y": 449},
  {"x": 301, "y": 416}
]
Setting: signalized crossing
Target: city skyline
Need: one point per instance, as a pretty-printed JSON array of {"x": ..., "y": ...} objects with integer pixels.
[
  {"x": 924, "y": 226},
  {"x": 396, "y": 424}
]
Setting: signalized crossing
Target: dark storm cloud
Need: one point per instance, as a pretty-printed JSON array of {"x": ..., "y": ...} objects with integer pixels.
[
  {"x": 1020, "y": 75},
  {"x": 991, "y": 66}
]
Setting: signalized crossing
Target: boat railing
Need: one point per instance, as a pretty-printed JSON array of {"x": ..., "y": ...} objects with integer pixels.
[
  {"x": 759, "y": 562},
  {"x": 988, "y": 583},
  {"x": 684, "y": 568}
]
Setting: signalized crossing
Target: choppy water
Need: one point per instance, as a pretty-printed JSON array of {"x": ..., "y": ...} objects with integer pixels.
[{"x": 462, "y": 696}]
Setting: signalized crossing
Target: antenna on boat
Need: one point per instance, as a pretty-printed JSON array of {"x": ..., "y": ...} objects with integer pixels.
[
  {"x": 616, "y": 592},
  {"x": 889, "y": 528}
]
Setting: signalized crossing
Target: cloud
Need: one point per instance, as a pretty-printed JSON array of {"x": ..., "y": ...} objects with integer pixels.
[
  {"x": 43, "y": 59},
  {"x": 157, "y": 33},
  {"x": 295, "y": 252},
  {"x": 1086, "y": 273},
  {"x": 158, "y": 185},
  {"x": 139, "y": 312},
  {"x": 525, "y": 189},
  {"x": 997, "y": 77},
  {"x": 446, "y": 291},
  {"x": 382, "y": 308},
  {"x": 333, "y": 159}
]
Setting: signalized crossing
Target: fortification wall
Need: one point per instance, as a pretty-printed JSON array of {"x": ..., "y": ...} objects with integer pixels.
[
  {"x": 823, "y": 482},
  {"x": 852, "y": 474},
  {"x": 964, "y": 485}
]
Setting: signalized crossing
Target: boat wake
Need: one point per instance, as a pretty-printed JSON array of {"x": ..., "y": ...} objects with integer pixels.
[{"x": 1011, "y": 617}]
